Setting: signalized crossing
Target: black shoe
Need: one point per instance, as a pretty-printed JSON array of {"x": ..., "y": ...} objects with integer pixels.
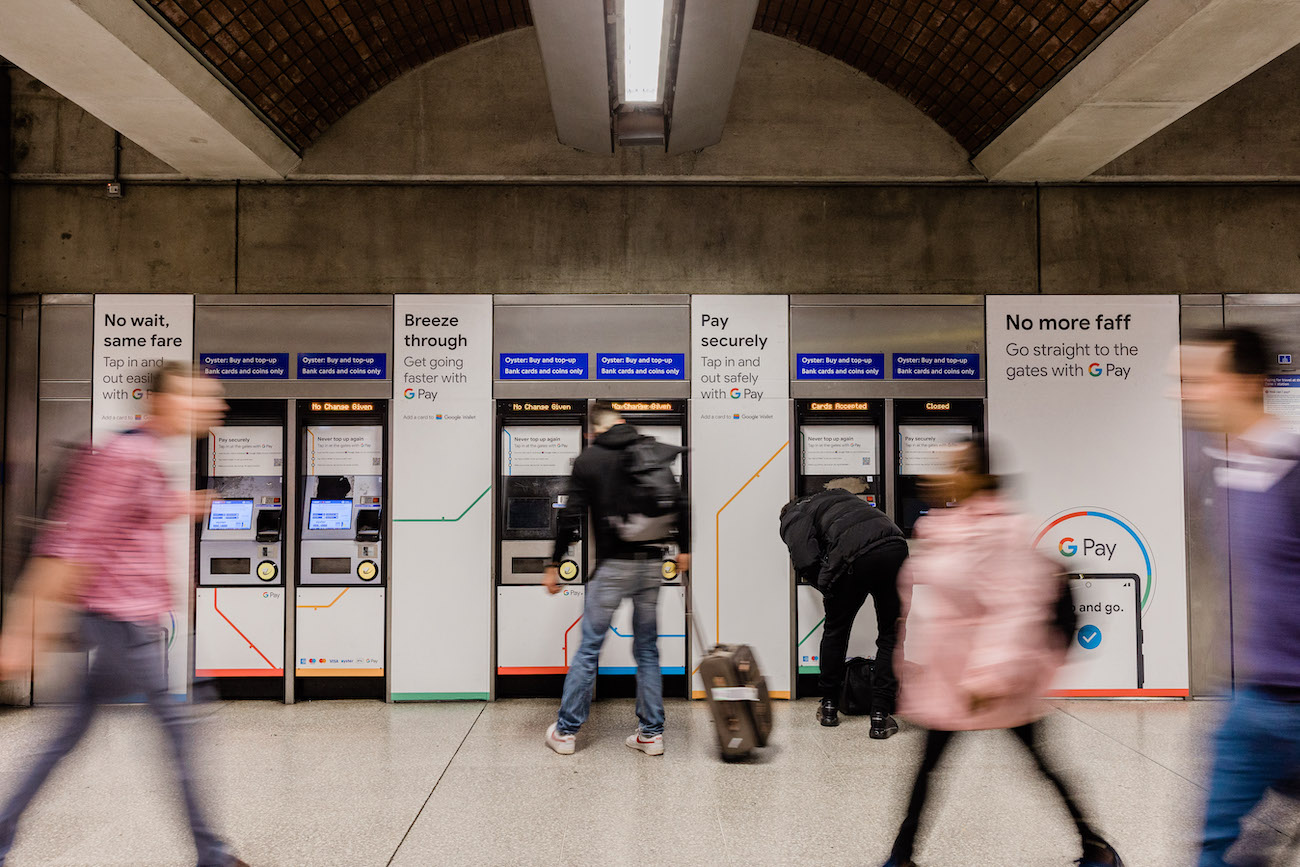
[
  {"x": 1098, "y": 853},
  {"x": 883, "y": 726},
  {"x": 828, "y": 714}
]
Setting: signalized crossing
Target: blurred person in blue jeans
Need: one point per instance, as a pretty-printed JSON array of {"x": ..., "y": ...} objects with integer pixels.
[
  {"x": 626, "y": 570},
  {"x": 1258, "y": 745},
  {"x": 103, "y": 551}
]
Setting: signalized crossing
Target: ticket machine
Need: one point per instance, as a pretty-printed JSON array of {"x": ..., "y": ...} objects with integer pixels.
[
  {"x": 537, "y": 443},
  {"x": 839, "y": 443},
  {"x": 924, "y": 431},
  {"x": 239, "y": 610},
  {"x": 665, "y": 420},
  {"x": 341, "y": 563}
]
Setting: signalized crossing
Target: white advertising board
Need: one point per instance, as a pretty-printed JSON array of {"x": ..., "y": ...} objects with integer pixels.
[
  {"x": 1282, "y": 399},
  {"x": 923, "y": 449},
  {"x": 441, "y": 550},
  {"x": 239, "y": 632},
  {"x": 833, "y": 450},
  {"x": 616, "y": 656},
  {"x": 1080, "y": 413},
  {"x": 529, "y": 450},
  {"x": 340, "y": 632},
  {"x": 256, "y": 450},
  {"x": 345, "y": 450},
  {"x": 134, "y": 336},
  {"x": 740, "y": 431}
]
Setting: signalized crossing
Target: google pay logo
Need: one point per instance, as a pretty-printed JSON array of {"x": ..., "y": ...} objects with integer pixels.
[
  {"x": 409, "y": 393},
  {"x": 735, "y": 393},
  {"x": 1094, "y": 369},
  {"x": 1067, "y": 547}
]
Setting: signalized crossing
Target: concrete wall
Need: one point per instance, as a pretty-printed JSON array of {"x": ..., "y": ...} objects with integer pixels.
[
  {"x": 484, "y": 110},
  {"x": 451, "y": 180},
  {"x": 655, "y": 238},
  {"x": 1250, "y": 132}
]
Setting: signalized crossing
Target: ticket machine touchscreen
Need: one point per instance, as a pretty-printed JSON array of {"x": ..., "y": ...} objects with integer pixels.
[
  {"x": 231, "y": 515},
  {"x": 329, "y": 515}
]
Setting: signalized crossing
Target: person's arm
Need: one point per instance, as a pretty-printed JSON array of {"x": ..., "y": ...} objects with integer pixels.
[
  {"x": 800, "y": 536},
  {"x": 46, "y": 579},
  {"x": 567, "y": 527}
]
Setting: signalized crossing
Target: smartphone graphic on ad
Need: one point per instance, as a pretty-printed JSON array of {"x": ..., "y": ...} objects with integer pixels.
[{"x": 1106, "y": 651}]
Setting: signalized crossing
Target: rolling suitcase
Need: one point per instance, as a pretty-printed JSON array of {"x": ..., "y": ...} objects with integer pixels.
[{"x": 737, "y": 695}]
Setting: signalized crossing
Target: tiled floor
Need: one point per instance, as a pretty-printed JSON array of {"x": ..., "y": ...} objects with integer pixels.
[{"x": 363, "y": 783}]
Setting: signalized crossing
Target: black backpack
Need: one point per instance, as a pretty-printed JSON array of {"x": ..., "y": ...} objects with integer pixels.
[
  {"x": 651, "y": 498},
  {"x": 855, "y": 700}
]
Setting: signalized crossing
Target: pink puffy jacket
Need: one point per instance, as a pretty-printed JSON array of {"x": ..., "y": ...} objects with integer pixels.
[{"x": 978, "y": 625}]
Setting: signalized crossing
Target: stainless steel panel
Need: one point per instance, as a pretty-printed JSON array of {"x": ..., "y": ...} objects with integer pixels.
[
  {"x": 887, "y": 301},
  {"x": 67, "y": 341},
  {"x": 1209, "y": 590},
  {"x": 510, "y": 389},
  {"x": 297, "y": 325},
  {"x": 309, "y": 389},
  {"x": 578, "y": 300},
  {"x": 592, "y": 324},
  {"x": 1279, "y": 321},
  {"x": 63, "y": 426},
  {"x": 65, "y": 390},
  {"x": 289, "y": 531},
  {"x": 871, "y": 326},
  {"x": 23, "y": 339},
  {"x": 885, "y": 388}
]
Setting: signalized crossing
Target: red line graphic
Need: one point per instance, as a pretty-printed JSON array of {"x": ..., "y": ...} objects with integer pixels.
[
  {"x": 566, "y": 641},
  {"x": 236, "y": 628}
]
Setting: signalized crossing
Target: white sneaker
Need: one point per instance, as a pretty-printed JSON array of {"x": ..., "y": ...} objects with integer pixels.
[
  {"x": 651, "y": 746},
  {"x": 563, "y": 744}
]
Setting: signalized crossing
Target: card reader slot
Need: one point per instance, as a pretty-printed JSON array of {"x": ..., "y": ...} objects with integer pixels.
[
  {"x": 268, "y": 525},
  {"x": 368, "y": 522}
]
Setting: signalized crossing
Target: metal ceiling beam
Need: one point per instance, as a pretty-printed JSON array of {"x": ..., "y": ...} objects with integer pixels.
[
  {"x": 115, "y": 61},
  {"x": 1168, "y": 58},
  {"x": 714, "y": 34},
  {"x": 571, "y": 34}
]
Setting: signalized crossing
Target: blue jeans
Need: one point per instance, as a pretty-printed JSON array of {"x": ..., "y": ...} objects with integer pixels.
[
  {"x": 128, "y": 659},
  {"x": 1258, "y": 746},
  {"x": 614, "y": 581}
]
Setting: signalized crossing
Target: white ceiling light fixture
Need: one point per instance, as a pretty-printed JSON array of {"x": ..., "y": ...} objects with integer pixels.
[
  {"x": 642, "y": 50},
  {"x": 641, "y": 38}
]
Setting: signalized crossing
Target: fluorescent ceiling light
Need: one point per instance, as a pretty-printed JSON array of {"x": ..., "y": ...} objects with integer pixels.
[{"x": 643, "y": 31}]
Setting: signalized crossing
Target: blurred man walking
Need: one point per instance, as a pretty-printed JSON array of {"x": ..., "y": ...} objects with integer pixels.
[{"x": 105, "y": 551}]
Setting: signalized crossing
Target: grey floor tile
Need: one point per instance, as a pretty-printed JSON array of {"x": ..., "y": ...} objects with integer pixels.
[
  {"x": 320, "y": 783},
  {"x": 342, "y": 783}
]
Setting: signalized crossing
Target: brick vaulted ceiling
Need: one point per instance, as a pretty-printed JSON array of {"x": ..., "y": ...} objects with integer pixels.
[{"x": 970, "y": 65}]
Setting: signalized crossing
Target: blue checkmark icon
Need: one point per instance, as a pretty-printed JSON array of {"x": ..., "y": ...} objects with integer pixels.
[{"x": 1089, "y": 637}]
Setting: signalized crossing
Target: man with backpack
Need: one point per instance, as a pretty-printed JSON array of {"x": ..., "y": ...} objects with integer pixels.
[
  {"x": 849, "y": 550},
  {"x": 637, "y": 508}
]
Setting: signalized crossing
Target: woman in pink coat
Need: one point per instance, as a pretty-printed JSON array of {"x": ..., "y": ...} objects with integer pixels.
[{"x": 979, "y": 646}]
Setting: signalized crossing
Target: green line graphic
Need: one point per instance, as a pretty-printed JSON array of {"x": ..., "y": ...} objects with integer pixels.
[
  {"x": 810, "y": 632},
  {"x": 444, "y": 520},
  {"x": 440, "y": 696}
]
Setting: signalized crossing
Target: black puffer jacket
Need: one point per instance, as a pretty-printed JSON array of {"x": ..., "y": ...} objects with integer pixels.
[
  {"x": 828, "y": 530},
  {"x": 598, "y": 482}
]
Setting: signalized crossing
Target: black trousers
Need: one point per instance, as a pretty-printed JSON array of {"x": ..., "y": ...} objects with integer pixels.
[
  {"x": 874, "y": 574},
  {"x": 936, "y": 742}
]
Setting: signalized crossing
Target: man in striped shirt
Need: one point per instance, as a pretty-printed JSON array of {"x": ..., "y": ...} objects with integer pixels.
[
  {"x": 1258, "y": 745},
  {"x": 105, "y": 551}
]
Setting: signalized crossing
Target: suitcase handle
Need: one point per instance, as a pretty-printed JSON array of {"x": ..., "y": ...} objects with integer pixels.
[{"x": 696, "y": 633}]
